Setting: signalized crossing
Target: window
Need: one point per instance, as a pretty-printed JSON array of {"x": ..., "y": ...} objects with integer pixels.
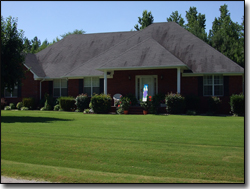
[
  {"x": 60, "y": 87},
  {"x": 91, "y": 85},
  {"x": 213, "y": 85},
  {"x": 12, "y": 94}
]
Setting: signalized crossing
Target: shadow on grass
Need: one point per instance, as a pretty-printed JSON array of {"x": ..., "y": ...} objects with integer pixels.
[{"x": 28, "y": 119}]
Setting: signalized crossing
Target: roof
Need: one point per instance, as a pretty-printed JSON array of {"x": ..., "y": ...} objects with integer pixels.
[{"x": 160, "y": 45}]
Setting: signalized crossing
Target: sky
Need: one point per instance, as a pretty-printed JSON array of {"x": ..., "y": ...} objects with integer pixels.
[{"x": 50, "y": 19}]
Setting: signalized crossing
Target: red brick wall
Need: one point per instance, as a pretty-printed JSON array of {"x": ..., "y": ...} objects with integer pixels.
[
  {"x": 73, "y": 87},
  {"x": 121, "y": 84}
]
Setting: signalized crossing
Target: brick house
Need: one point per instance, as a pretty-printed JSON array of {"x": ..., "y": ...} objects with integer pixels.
[{"x": 164, "y": 55}]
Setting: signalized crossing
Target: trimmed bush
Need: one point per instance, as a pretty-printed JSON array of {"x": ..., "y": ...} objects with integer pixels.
[
  {"x": 101, "y": 104},
  {"x": 237, "y": 103},
  {"x": 24, "y": 108},
  {"x": 29, "y": 102},
  {"x": 19, "y": 105},
  {"x": 82, "y": 102},
  {"x": 57, "y": 107},
  {"x": 157, "y": 100},
  {"x": 12, "y": 106},
  {"x": 7, "y": 108},
  {"x": 175, "y": 103},
  {"x": 213, "y": 105},
  {"x": 132, "y": 98},
  {"x": 67, "y": 103},
  {"x": 192, "y": 103}
]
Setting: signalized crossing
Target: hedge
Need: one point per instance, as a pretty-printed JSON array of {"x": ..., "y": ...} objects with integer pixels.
[
  {"x": 237, "y": 103},
  {"x": 67, "y": 103},
  {"x": 175, "y": 103},
  {"x": 101, "y": 104}
]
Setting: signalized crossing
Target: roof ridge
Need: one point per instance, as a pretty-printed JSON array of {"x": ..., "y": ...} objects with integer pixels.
[{"x": 136, "y": 33}]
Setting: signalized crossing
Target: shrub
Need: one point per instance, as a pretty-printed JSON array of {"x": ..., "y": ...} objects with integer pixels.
[
  {"x": 57, "y": 107},
  {"x": 12, "y": 106},
  {"x": 132, "y": 98},
  {"x": 175, "y": 103},
  {"x": 67, "y": 103},
  {"x": 192, "y": 102},
  {"x": 82, "y": 102},
  {"x": 7, "y": 108},
  {"x": 24, "y": 108},
  {"x": 19, "y": 105},
  {"x": 191, "y": 112},
  {"x": 87, "y": 111},
  {"x": 157, "y": 100},
  {"x": 29, "y": 102},
  {"x": 101, "y": 103},
  {"x": 213, "y": 105},
  {"x": 237, "y": 103},
  {"x": 147, "y": 104},
  {"x": 3, "y": 103}
]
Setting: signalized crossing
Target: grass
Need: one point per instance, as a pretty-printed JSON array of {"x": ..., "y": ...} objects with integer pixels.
[{"x": 72, "y": 147}]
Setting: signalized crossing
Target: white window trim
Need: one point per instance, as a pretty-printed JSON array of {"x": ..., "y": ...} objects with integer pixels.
[
  {"x": 91, "y": 84},
  {"x": 11, "y": 96},
  {"x": 59, "y": 88},
  {"x": 213, "y": 85}
]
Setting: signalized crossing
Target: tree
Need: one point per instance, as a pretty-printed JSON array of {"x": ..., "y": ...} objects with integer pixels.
[
  {"x": 27, "y": 45},
  {"x": 12, "y": 55},
  {"x": 196, "y": 23},
  {"x": 44, "y": 45},
  {"x": 175, "y": 17},
  {"x": 74, "y": 32},
  {"x": 35, "y": 45},
  {"x": 227, "y": 36},
  {"x": 145, "y": 21}
]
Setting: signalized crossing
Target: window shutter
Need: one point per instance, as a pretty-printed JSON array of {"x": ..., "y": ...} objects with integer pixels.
[
  {"x": 226, "y": 85},
  {"x": 19, "y": 89},
  {"x": 80, "y": 86},
  {"x": 51, "y": 88},
  {"x": 200, "y": 86}
]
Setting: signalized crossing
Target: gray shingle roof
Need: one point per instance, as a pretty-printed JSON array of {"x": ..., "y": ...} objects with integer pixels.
[{"x": 159, "y": 45}]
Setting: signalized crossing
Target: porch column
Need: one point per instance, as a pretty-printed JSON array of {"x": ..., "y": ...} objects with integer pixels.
[
  {"x": 178, "y": 80},
  {"x": 105, "y": 83}
]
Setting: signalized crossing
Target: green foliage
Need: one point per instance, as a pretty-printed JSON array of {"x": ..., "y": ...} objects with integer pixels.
[
  {"x": 101, "y": 103},
  {"x": 49, "y": 103},
  {"x": 156, "y": 101},
  {"x": 123, "y": 104},
  {"x": 132, "y": 98},
  {"x": 196, "y": 23},
  {"x": 24, "y": 108},
  {"x": 147, "y": 104},
  {"x": 19, "y": 105},
  {"x": 213, "y": 105},
  {"x": 175, "y": 103},
  {"x": 146, "y": 20},
  {"x": 191, "y": 112},
  {"x": 237, "y": 103},
  {"x": 175, "y": 17},
  {"x": 67, "y": 103},
  {"x": 12, "y": 58},
  {"x": 57, "y": 107},
  {"x": 192, "y": 102},
  {"x": 7, "y": 108},
  {"x": 29, "y": 102},
  {"x": 228, "y": 37},
  {"x": 76, "y": 31},
  {"x": 12, "y": 106},
  {"x": 82, "y": 102}
]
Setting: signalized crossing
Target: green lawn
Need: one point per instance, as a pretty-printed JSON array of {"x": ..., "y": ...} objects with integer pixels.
[{"x": 86, "y": 148}]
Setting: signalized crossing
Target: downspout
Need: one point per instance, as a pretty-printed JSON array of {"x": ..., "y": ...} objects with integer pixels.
[{"x": 41, "y": 88}]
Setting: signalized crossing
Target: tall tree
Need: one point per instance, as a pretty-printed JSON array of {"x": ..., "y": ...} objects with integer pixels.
[
  {"x": 175, "y": 17},
  {"x": 227, "y": 36},
  {"x": 35, "y": 44},
  {"x": 196, "y": 23},
  {"x": 74, "y": 32},
  {"x": 146, "y": 20},
  {"x": 27, "y": 45},
  {"x": 11, "y": 54}
]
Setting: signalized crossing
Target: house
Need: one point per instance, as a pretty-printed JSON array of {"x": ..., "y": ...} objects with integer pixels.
[{"x": 164, "y": 55}]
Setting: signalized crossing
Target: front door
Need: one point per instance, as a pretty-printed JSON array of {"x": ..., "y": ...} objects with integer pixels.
[{"x": 150, "y": 81}]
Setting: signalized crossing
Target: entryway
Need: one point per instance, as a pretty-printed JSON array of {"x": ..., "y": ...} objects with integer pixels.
[{"x": 150, "y": 80}]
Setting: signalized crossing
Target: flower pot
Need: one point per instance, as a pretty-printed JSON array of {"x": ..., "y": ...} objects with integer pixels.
[
  {"x": 145, "y": 112},
  {"x": 125, "y": 111}
]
